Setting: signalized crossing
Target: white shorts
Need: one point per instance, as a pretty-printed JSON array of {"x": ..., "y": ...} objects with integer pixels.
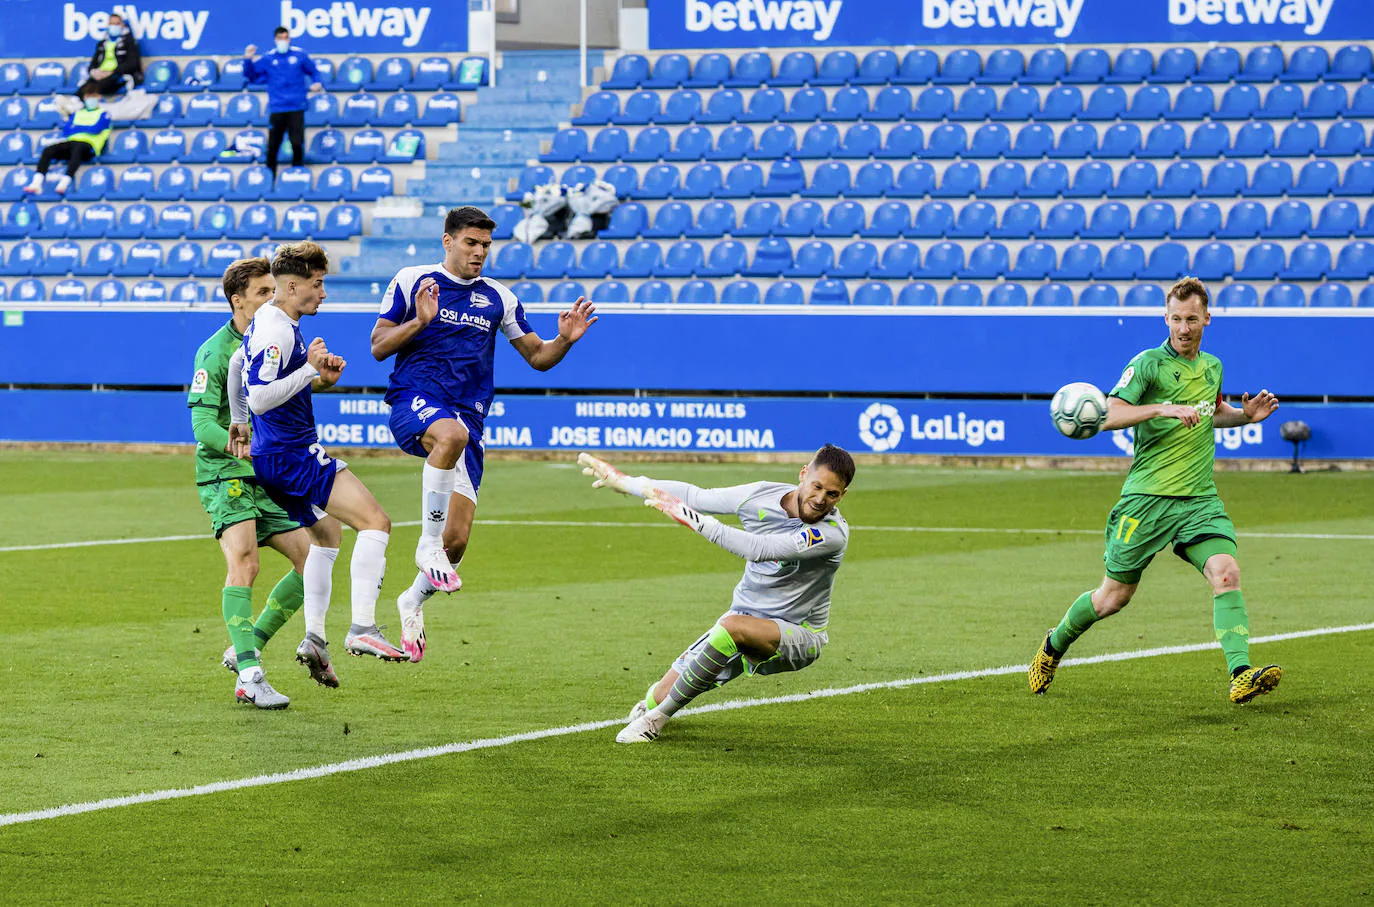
[{"x": 798, "y": 646}]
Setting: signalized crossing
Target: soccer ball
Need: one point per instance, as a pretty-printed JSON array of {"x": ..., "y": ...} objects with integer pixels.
[{"x": 1078, "y": 410}]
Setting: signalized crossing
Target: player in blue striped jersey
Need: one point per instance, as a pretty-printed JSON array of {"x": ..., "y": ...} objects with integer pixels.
[
  {"x": 441, "y": 321},
  {"x": 279, "y": 371}
]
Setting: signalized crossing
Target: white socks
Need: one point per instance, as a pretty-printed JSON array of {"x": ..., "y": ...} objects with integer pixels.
[
  {"x": 319, "y": 582},
  {"x": 366, "y": 571},
  {"x": 437, "y": 486}
]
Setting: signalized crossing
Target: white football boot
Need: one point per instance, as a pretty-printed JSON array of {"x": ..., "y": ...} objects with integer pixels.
[
  {"x": 370, "y": 641},
  {"x": 643, "y": 729},
  {"x": 259, "y": 692},
  {"x": 412, "y": 609},
  {"x": 433, "y": 563}
]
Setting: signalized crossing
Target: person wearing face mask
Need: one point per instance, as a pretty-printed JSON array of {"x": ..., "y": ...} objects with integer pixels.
[
  {"x": 83, "y": 136},
  {"x": 115, "y": 57},
  {"x": 286, "y": 71}
]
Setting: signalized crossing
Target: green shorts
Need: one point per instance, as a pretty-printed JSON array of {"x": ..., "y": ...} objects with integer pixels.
[
  {"x": 231, "y": 501},
  {"x": 1142, "y": 525}
]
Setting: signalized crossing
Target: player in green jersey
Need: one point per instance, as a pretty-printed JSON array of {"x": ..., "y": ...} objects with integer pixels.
[
  {"x": 243, "y": 516},
  {"x": 1172, "y": 396}
]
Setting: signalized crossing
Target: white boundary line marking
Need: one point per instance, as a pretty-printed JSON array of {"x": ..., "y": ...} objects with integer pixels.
[
  {"x": 429, "y": 752},
  {"x": 650, "y": 524}
]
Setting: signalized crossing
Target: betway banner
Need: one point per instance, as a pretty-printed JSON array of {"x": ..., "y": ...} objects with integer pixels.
[
  {"x": 210, "y": 27},
  {"x": 691, "y": 425},
  {"x": 771, "y": 23}
]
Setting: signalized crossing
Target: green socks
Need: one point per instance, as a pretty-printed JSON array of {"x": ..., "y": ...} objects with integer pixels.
[
  {"x": 1077, "y": 619},
  {"x": 1233, "y": 628},
  {"x": 237, "y": 602},
  {"x": 285, "y": 599}
]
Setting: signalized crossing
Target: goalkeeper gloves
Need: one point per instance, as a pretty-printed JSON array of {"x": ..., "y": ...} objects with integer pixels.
[
  {"x": 607, "y": 476},
  {"x": 673, "y": 506}
]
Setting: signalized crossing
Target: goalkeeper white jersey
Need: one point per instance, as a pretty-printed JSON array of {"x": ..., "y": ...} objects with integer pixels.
[{"x": 792, "y": 564}]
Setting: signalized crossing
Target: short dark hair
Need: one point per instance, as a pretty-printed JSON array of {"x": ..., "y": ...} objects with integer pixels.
[
  {"x": 459, "y": 219},
  {"x": 114, "y": 15},
  {"x": 837, "y": 460},
  {"x": 299, "y": 259},
  {"x": 281, "y": 30},
  {"x": 1188, "y": 288},
  {"x": 241, "y": 273}
]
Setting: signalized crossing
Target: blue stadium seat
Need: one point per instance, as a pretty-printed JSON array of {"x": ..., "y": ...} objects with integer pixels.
[
  {"x": 599, "y": 261},
  {"x": 134, "y": 222},
  {"x": 445, "y": 108},
  {"x": 1262, "y": 64},
  {"x": 714, "y": 220},
  {"x": 608, "y": 145},
  {"x": 58, "y": 222},
  {"x": 890, "y": 220},
  {"x": 1168, "y": 261},
  {"x": 1121, "y": 140},
  {"x": 977, "y": 104},
  {"x": 737, "y": 142},
  {"x": 1147, "y": 295},
  {"x": 1078, "y": 140},
  {"x": 1254, "y": 139},
  {"x": 1343, "y": 139},
  {"x": 807, "y": 104},
  {"x": 772, "y": 256},
  {"x": 878, "y": 67},
  {"x": 872, "y": 181},
  {"x": 341, "y": 222},
  {"x": 641, "y": 108},
  {"x": 126, "y": 147},
  {"x": 134, "y": 183},
  {"x": 1284, "y": 295},
  {"x": 20, "y": 220},
  {"x": 352, "y": 74},
  {"x": 300, "y": 221},
  {"x": 785, "y": 292},
  {"x": 1282, "y": 102},
  {"x": 372, "y": 184},
  {"x": 640, "y": 260},
  {"x": 900, "y": 261},
  {"x": 986, "y": 261},
  {"x": 1034, "y": 261},
  {"x": 1245, "y": 220},
  {"x": 46, "y": 78},
  {"x": 936, "y": 103},
  {"x": 1107, "y": 102},
  {"x": 1062, "y": 103},
  {"x": 1080, "y": 261},
  {"x": 109, "y": 290},
  {"x": 1326, "y": 102},
  {"x": 173, "y": 222},
  {"x": 61, "y": 257},
  {"x": 813, "y": 259},
  {"x": 711, "y": 71},
  {"x": 1219, "y": 64},
  {"x": 726, "y": 259},
  {"x": 511, "y": 261},
  {"x": 627, "y": 221},
  {"x": 1355, "y": 261},
  {"x": 148, "y": 291},
  {"x": 831, "y": 179},
  {"x": 181, "y": 261},
  {"x": 1309, "y": 261},
  {"x": 1065, "y": 220},
  {"x": 1123, "y": 261},
  {"x": 960, "y": 180},
  {"x": 220, "y": 256},
  {"x": 392, "y": 74},
  {"x": 1003, "y": 67},
  {"x": 143, "y": 259},
  {"x": 257, "y": 221},
  {"x": 94, "y": 221},
  {"x": 670, "y": 221},
  {"x": 681, "y": 107},
  {"x": 1209, "y": 140},
  {"x": 838, "y": 67},
  {"x": 848, "y": 104},
  {"x": 933, "y": 220},
  {"x": 943, "y": 261},
  {"x": 431, "y": 74},
  {"x": 829, "y": 292},
  {"x": 527, "y": 291},
  {"x": 794, "y": 69},
  {"x": 1019, "y": 103},
  {"x": 1020, "y": 220},
  {"x": 918, "y": 67},
  {"x": 702, "y": 181},
  {"x": 166, "y": 111},
  {"x": 1154, "y": 220},
  {"x": 1366, "y": 296},
  {"x": 1101, "y": 295},
  {"x": 1092, "y": 179},
  {"x": 69, "y": 290},
  {"x": 960, "y": 67},
  {"x": 856, "y": 260},
  {"x": 722, "y": 107},
  {"x": 892, "y": 103},
  {"x": 1351, "y": 63},
  {"x": 165, "y": 146},
  {"x": 693, "y": 144},
  {"x": 566, "y": 291},
  {"x": 25, "y": 258},
  {"x": 1150, "y": 102},
  {"x": 861, "y": 141},
  {"x": 918, "y": 294},
  {"x": 1166, "y": 140},
  {"x": 599, "y": 109},
  {"x": 1239, "y": 102},
  {"x": 202, "y": 73},
  {"x": 44, "y": 115},
  {"x": 873, "y": 293},
  {"x": 629, "y": 72},
  {"x": 1045, "y": 67},
  {"x": 785, "y": 177},
  {"x": 1263, "y": 261},
  {"x": 1008, "y": 294},
  {"x": 765, "y": 106},
  {"x": 697, "y": 292},
  {"x": 681, "y": 259},
  {"x": 1317, "y": 179},
  {"x": 1237, "y": 295},
  {"x": 1358, "y": 179},
  {"x": 1272, "y": 178},
  {"x": 1049, "y": 179},
  {"x": 188, "y": 291},
  {"x": 742, "y": 181},
  {"x": 740, "y": 292},
  {"x": 610, "y": 292},
  {"x": 653, "y": 292},
  {"x": 1053, "y": 294},
  {"x": 14, "y": 113},
  {"x": 843, "y": 220},
  {"x": 1331, "y": 295},
  {"x": 819, "y": 142},
  {"x": 1132, "y": 64},
  {"x": 1175, "y": 65},
  {"x": 1089, "y": 65},
  {"x": 14, "y": 77},
  {"x": 660, "y": 181},
  {"x": 990, "y": 141},
  {"x": 470, "y": 74},
  {"x": 904, "y": 142},
  {"x": 1214, "y": 261},
  {"x": 399, "y": 109},
  {"x": 1226, "y": 179},
  {"x": 1193, "y": 103},
  {"x": 1181, "y": 179},
  {"x": 975, "y": 220},
  {"x": 1306, "y": 64},
  {"x": 963, "y": 294},
  {"x": 1337, "y": 220}
]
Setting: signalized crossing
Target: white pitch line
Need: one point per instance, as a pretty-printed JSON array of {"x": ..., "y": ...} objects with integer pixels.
[
  {"x": 429, "y": 752},
  {"x": 629, "y": 524}
]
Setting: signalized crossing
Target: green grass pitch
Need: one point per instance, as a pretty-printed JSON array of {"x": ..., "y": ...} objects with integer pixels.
[{"x": 1133, "y": 781}]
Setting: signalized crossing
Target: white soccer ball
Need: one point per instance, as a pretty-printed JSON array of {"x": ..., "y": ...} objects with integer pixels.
[{"x": 1079, "y": 410}]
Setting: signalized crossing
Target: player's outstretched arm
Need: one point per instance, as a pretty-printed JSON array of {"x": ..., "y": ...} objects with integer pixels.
[
  {"x": 1251, "y": 409},
  {"x": 1121, "y": 414},
  {"x": 706, "y": 500},
  {"x": 572, "y": 324},
  {"x": 807, "y": 542}
]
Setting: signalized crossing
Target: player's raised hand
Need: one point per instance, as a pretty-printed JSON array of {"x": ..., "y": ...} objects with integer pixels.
[
  {"x": 317, "y": 354},
  {"x": 427, "y": 301},
  {"x": 1188, "y": 415},
  {"x": 573, "y": 323},
  {"x": 332, "y": 369},
  {"x": 240, "y": 440},
  {"x": 673, "y": 506},
  {"x": 250, "y": 51},
  {"x": 1259, "y": 407},
  {"x": 606, "y": 475}
]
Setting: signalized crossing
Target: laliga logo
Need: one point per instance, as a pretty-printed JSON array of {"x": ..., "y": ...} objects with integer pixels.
[{"x": 880, "y": 427}]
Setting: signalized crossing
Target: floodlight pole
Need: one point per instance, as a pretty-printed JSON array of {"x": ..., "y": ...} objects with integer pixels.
[
  {"x": 582, "y": 41},
  {"x": 491, "y": 51}
]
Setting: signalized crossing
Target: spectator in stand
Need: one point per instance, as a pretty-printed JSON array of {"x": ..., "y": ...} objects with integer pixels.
[
  {"x": 115, "y": 58},
  {"x": 285, "y": 70},
  {"x": 83, "y": 137}
]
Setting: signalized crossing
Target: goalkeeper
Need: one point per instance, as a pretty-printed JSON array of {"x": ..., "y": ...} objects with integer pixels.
[{"x": 794, "y": 540}]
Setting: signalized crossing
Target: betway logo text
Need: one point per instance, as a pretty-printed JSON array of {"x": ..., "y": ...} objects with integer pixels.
[
  {"x": 1311, "y": 14},
  {"x": 182, "y": 25},
  {"x": 348, "y": 20},
  {"x": 1060, "y": 15},
  {"x": 815, "y": 16}
]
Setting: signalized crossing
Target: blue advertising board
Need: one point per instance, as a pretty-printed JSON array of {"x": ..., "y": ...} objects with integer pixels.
[
  {"x": 815, "y": 23},
  {"x": 691, "y": 425},
  {"x": 192, "y": 27}
]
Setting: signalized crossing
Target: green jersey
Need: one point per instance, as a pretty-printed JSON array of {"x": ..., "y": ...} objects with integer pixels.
[
  {"x": 1172, "y": 459},
  {"x": 209, "y": 402}
]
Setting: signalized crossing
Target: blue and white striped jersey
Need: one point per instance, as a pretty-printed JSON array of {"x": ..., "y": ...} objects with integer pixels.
[{"x": 274, "y": 355}]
